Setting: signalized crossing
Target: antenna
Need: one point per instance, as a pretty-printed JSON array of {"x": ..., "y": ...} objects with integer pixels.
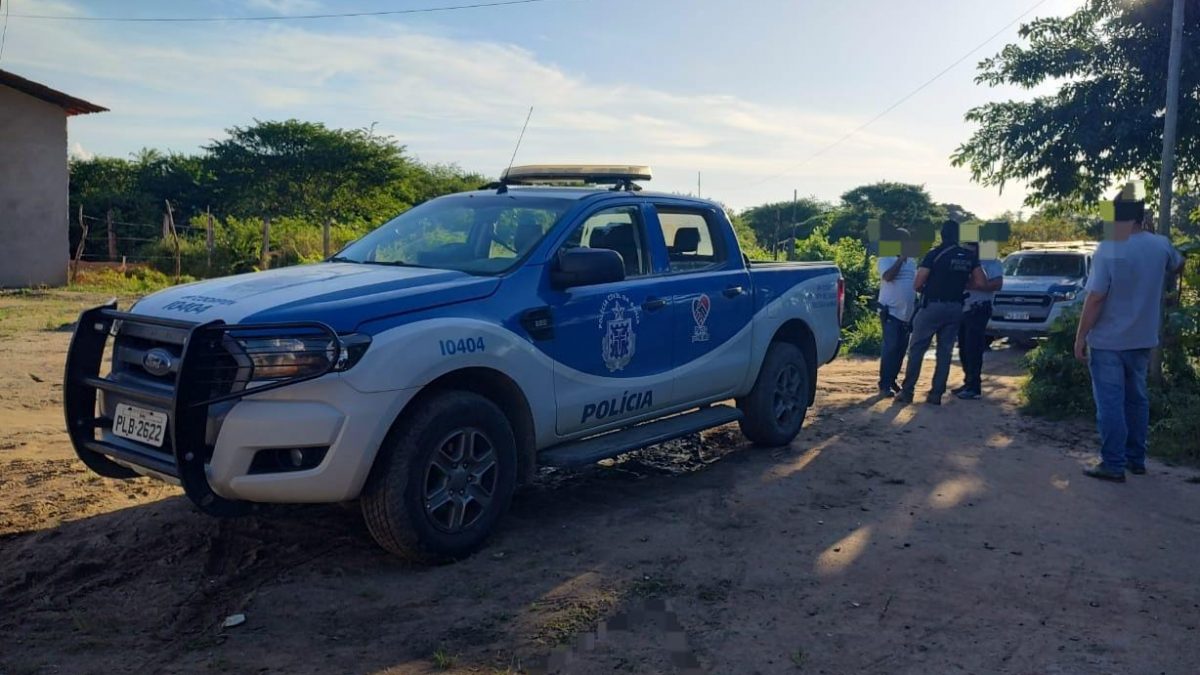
[{"x": 520, "y": 138}]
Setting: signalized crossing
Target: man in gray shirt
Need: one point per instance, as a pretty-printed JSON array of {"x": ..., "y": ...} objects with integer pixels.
[{"x": 1118, "y": 328}]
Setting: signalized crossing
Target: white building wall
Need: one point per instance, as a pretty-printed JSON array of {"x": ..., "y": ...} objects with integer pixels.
[{"x": 33, "y": 191}]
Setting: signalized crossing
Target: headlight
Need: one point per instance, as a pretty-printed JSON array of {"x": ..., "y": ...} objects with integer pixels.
[
  {"x": 280, "y": 358},
  {"x": 1064, "y": 294}
]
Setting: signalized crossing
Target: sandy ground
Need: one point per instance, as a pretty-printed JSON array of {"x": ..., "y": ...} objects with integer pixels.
[{"x": 886, "y": 539}]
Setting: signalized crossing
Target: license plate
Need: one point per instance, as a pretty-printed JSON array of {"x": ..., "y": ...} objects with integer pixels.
[
  {"x": 1016, "y": 316},
  {"x": 139, "y": 424}
]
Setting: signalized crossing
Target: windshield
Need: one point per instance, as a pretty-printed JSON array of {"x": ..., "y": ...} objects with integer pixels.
[
  {"x": 1045, "y": 265},
  {"x": 484, "y": 234}
]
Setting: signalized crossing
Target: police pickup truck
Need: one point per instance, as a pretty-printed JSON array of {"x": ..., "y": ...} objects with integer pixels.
[
  {"x": 427, "y": 369},
  {"x": 1042, "y": 281}
]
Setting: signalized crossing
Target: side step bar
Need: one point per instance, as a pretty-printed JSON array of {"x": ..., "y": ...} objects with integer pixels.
[{"x": 575, "y": 454}]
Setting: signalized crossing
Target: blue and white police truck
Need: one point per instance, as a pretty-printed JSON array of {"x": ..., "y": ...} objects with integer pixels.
[{"x": 428, "y": 368}]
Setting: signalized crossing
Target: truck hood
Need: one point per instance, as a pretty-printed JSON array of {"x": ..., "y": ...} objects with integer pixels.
[
  {"x": 342, "y": 295},
  {"x": 1037, "y": 284}
]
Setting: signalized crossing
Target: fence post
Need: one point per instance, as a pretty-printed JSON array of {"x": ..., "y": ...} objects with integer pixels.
[
  {"x": 209, "y": 242},
  {"x": 325, "y": 235},
  {"x": 265, "y": 260},
  {"x": 112, "y": 236},
  {"x": 174, "y": 237},
  {"x": 82, "y": 241}
]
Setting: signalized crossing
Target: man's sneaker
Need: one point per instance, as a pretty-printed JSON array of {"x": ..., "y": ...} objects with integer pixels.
[
  {"x": 1102, "y": 473},
  {"x": 904, "y": 396},
  {"x": 958, "y": 390},
  {"x": 969, "y": 395},
  {"x": 933, "y": 400},
  {"x": 884, "y": 392},
  {"x": 1137, "y": 470}
]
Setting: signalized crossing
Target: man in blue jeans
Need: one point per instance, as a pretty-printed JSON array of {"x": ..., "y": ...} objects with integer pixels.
[
  {"x": 1118, "y": 328},
  {"x": 897, "y": 300}
]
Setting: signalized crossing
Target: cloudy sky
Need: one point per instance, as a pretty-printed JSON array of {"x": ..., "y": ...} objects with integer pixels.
[{"x": 750, "y": 94}]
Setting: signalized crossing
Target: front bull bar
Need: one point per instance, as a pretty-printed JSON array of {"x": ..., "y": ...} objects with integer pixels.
[{"x": 187, "y": 407}]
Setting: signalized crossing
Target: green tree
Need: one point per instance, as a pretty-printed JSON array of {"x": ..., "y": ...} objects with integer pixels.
[
  {"x": 1050, "y": 224},
  {"x": 899, "y": 204},
  {"x": 777, "y": 221},
  {"x": 1104, "y": 122},
  {"x": 295, "y": 168}
]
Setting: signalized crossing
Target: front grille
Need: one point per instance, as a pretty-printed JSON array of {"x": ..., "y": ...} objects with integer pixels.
[{"x": 230, "y": 368}]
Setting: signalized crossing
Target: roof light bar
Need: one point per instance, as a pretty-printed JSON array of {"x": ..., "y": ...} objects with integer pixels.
[{"x": 576, "y": 173}]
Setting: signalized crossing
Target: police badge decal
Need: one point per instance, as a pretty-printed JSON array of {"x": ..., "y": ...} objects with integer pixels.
[{"x": 618, "y": 318}]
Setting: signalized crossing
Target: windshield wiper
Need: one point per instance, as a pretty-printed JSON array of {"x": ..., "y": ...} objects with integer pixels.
[{"x": 387, "y": 263}]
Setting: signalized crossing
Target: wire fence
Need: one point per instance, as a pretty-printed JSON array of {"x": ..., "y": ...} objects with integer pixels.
[{"x": 208, "y": 245}]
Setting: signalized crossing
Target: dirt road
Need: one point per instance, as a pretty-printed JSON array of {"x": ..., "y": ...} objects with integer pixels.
[{"x": 886, "y": 539}]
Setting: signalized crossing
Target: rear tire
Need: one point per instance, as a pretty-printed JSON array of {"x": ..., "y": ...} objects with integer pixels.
[
  {"x": 442, "y": 480},
  {"x": 774, "y": 409}
]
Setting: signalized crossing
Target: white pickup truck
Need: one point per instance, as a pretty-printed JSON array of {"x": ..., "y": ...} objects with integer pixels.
[{"x": 428, "y": 368}]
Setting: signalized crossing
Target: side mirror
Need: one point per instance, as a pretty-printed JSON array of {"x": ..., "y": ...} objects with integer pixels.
[{"x": 586, "y": 267}]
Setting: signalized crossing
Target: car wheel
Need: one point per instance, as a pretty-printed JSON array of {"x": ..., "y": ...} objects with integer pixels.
[
  {"x": 442, "y": 480},
  {"x": 774, "y": 409}
]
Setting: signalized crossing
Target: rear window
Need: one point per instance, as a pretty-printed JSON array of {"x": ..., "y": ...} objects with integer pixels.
[{"x": 1045, "y": 265}]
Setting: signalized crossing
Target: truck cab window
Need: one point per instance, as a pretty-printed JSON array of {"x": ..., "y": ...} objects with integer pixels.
[
  {"x": 618, "y": 229},
  {"x": 692, "y": 242}
]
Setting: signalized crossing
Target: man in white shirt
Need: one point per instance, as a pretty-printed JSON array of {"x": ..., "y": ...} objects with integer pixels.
[{"x": 897, "y": 302}]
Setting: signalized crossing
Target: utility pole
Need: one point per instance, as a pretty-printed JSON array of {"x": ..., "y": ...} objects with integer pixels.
[
  {"x": 778, "y": 220},
  {"x": 1170, "y": 120},
  {"x": 795, "y": 198},
  {"x": 697, "y": 184},
  {"x": 1167, "y": 177}
]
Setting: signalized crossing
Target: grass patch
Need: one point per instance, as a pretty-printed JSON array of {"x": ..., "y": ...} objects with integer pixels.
[
  {"x": 566, "y": 617},
  {"x": 28, "y": 311},
  {"x": 442, "y": 659},
  {"x": 134, "y": 281}
]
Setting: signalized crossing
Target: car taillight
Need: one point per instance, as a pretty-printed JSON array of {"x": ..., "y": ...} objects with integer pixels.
[{"x": 841, "y": 299}]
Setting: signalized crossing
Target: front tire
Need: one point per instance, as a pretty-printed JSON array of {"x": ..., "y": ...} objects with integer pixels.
[
  {"x": 442, "y": 480},
  {"x": 774, "y": 410}
]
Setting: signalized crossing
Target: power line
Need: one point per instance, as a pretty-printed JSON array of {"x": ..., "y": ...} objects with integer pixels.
[
  {"x": 294, "y": 17},
  {"x": 893, "y": 106}
]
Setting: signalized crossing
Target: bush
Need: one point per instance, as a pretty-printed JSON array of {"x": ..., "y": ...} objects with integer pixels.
[
  {"x": 1060, "y": 387},
  {"x": 865, "y": 337},
  {"x": 237, "y": 246},
  {"x": 852, "y": 258}
]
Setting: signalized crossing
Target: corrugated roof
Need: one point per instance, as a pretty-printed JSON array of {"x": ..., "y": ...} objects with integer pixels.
[{"x": 72, "y": 105}]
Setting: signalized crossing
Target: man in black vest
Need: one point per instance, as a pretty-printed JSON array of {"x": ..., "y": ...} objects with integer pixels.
[{"x": 942, "y": 278}]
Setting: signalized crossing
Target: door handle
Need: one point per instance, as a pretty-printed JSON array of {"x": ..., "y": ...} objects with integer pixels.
[
  {"x": 654, "y": 304},
  {"x": 733, "y": 291}
]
